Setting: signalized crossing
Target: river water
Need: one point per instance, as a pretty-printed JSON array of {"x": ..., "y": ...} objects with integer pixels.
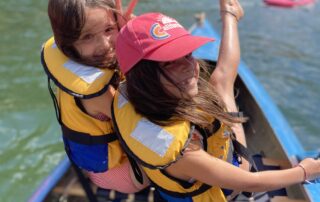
[{"x": 281, "y": 46}]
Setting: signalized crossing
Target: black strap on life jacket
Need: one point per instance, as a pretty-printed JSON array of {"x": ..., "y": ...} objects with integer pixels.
[
  {"x": 87, "y": 139},
  {"x": 216, "y": 125},
  {"x": 85, "y": 183},
  {"x": 136, "y": 169},
  {"x": 243, "y": 151},
  {"x": 55, "y": 102},
  {"x": 239, "y": 149}
]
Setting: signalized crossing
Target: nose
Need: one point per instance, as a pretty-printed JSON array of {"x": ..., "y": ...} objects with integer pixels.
[
  {"x": 103, "y": 44},
  {"x": 188, "y": 64}
]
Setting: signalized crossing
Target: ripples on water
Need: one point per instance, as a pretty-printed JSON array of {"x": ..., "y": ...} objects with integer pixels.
[
  {"x": 30, "y": 149},
  {"x": 30, "y": 143},
  {"x": 280, "y": 45}
]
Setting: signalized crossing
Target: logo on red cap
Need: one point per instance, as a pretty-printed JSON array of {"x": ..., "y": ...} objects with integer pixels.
[{"x": 157, "y": 32}]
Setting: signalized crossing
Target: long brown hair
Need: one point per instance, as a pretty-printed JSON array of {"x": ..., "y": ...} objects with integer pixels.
[
  {"x": 67, "y": 19},
  {"x": 151, "y": 99}
]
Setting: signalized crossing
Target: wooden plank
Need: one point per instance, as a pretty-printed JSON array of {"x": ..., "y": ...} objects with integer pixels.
[{"x": 285, "y": 199}]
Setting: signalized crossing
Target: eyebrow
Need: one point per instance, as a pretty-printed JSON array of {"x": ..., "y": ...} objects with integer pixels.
[{"x": 89, "y": 30}]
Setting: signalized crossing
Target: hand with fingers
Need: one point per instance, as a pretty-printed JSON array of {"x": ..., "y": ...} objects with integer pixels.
[
  {"x": 231, "y": 7},
  {"x": 124, "y": 16}
]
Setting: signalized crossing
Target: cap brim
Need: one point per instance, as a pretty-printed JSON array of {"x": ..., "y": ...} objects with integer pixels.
[{"x": 177, "y": 48}]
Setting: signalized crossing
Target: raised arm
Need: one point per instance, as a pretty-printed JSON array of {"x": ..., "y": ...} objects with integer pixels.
[
  {"x": 224, "y": 75},
  {"x": 195, "y": 163}
]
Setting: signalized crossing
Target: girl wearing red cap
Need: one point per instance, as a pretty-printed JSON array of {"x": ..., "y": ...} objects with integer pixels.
[
  {"x": 179, "y": 129},
  {"x": 87, "y": 37},
  {"x": 81, "y": 62}
]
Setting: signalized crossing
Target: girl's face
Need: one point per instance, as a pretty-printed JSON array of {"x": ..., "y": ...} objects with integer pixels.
[
  {"x": 184, "y": 73},
  {"x": 96, "y": 41}
]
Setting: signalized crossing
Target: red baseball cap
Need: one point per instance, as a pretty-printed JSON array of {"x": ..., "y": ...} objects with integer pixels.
[{"x": 154, "y": 36}]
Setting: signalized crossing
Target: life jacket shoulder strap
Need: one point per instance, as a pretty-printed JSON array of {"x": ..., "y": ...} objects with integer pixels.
[{"x": 87, "y": 139}]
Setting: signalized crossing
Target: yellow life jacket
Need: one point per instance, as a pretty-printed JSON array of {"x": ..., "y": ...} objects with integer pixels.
[
  {"x": 89, "y": 142},
  {"x": 156, "y": 147}
]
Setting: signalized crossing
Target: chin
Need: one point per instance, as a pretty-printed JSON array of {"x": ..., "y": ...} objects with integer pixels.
[{"x": 192, "y": 90}]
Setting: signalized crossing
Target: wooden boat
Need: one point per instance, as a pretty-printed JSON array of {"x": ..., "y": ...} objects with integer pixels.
[
  {"x": 288, "y": 3},
  {"x": 267, "y": 132}
]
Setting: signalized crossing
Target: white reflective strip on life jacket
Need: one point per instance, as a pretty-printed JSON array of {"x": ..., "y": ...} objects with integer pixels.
[
  {"x": 87, "y": 73},
  {"x": 121, "y": 101},
  {"x": 152, "y": 136}
]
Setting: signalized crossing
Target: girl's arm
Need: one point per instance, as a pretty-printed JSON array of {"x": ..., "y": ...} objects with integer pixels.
[
  {"x": 224, "y": 75},
  {"x": 199, "y": 165}
]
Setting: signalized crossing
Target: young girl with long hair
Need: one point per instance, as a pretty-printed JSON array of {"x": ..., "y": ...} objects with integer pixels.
[
  {"x": 180, "y": 128},
  {"x": 80, "y": 59}
]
